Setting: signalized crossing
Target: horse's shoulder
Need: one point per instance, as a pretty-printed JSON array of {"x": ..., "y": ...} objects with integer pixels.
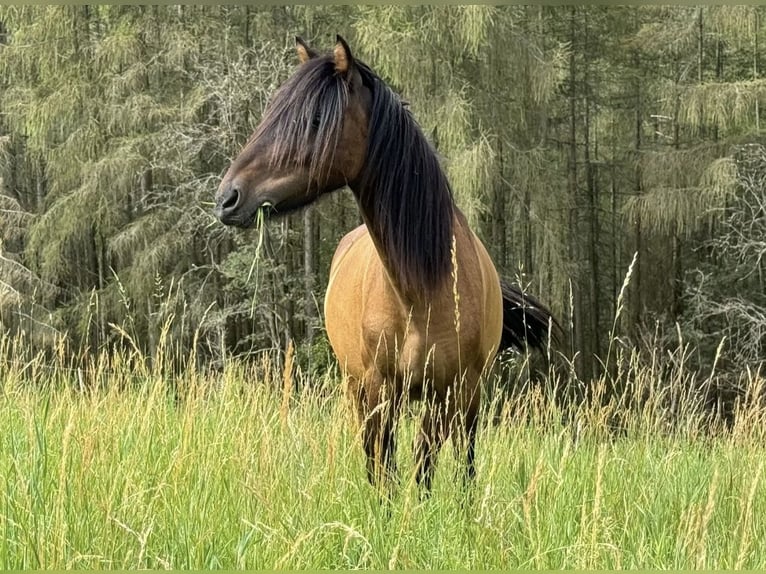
[{"x": 348, "y": 240}]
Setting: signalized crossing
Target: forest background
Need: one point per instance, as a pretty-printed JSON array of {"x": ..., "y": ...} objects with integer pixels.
[{"x": 575, "y": 137}]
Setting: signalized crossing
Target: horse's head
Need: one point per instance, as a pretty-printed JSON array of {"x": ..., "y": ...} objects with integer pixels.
[{"x": 311, "y": 140}]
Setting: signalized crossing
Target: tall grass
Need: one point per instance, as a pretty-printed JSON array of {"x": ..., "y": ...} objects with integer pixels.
[{"x": 130, "y": 467}]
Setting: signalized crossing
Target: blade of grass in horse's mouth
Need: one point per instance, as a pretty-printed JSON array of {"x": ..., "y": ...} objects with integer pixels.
[{"x": 260, "y": 223}]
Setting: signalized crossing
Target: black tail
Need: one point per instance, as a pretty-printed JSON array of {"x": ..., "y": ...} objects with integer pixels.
[{"x": 526, "y": 321}]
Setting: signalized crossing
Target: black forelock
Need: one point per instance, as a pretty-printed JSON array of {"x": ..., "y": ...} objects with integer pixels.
[{"x": 305, "y": 117}]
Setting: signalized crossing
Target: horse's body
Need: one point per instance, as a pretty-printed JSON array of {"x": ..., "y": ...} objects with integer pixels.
[
  {"x": 390, "y": 346},
  {"x": 414, "y": 306},
  {"x": 367, "y": 318}
]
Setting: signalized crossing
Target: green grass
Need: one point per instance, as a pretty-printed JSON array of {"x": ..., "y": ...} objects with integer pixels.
[{"x": 231, "y": 476}]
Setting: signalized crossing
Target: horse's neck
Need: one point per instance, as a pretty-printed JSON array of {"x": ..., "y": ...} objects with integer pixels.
[
  {"x": 409, "y": 211},
  {"x": 408, "y": 298},
  {"x": 380, "y": 247}
]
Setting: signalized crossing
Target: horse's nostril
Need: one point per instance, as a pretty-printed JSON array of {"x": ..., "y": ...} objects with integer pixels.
[{"x": 231, "y": 199}]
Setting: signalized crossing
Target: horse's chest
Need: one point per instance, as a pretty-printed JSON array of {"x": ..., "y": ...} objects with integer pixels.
[{"x": 407, "y": 350}]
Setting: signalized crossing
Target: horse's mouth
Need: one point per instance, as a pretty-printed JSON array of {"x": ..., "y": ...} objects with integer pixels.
[
  {"x": 261, "y": 212},
  {"x": 246, "y": 219},
  {"x": 269, "y": 210}
]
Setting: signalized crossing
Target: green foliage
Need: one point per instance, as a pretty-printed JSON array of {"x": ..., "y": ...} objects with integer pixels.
[
  {"x": 726, "y": 292},
  {"x": 573, "y": 137}
]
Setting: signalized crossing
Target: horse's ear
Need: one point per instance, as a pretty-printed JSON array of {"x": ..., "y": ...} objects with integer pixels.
[
  {"x": 342, "y": 55},
  {"x": 305, "y": 53}
]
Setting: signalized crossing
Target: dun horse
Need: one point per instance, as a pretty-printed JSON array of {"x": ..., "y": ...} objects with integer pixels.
[{"x": 414, "y": 307}]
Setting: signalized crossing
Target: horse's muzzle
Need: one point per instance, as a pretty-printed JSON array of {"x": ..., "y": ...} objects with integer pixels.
[{"x": 227, "y": 206}]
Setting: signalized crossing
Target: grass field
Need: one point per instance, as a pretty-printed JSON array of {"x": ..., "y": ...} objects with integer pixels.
[{"x": 238, "y": 475}]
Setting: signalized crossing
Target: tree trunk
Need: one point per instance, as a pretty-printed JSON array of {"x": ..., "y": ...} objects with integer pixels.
[
  {"x": 718, "y": 74},
  {"x": 40, "y": 190},
  {"x": 284, "y": 292},
  {"x": 528, "y": 255},
  {"x": 498, "y": 215},
  {"x": 616, "y": 260},
  {"x": 677, "y": 249},
  {"x": 755, "y": 67},
  {"x": 700, "y": 62},
  {"x": 582, "y": 358},
  {"x": 636, "y": 299},
  {"x": 593, "y": 222},
  {"x": 309, "y": 251}
]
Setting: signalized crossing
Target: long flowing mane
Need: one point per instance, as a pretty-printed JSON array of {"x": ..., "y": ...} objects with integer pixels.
[{"x": 403, "y": 192}]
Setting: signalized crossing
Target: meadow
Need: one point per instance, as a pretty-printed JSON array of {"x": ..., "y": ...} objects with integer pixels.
[{"x": 250, "y": 467}]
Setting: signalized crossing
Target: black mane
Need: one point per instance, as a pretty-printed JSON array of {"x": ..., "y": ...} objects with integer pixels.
[{"x": 403, "y": 192}]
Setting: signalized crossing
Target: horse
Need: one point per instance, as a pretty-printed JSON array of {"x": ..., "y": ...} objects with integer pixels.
[{"x": 414, "y": 307}]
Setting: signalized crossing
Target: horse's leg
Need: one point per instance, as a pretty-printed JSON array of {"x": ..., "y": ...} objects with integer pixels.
[
  {"x": 428, "y": 442},
  {"x": 456, "y": 413},
  {"x": 378, "y": 410},
  {"x": 465, "y": 423}
]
